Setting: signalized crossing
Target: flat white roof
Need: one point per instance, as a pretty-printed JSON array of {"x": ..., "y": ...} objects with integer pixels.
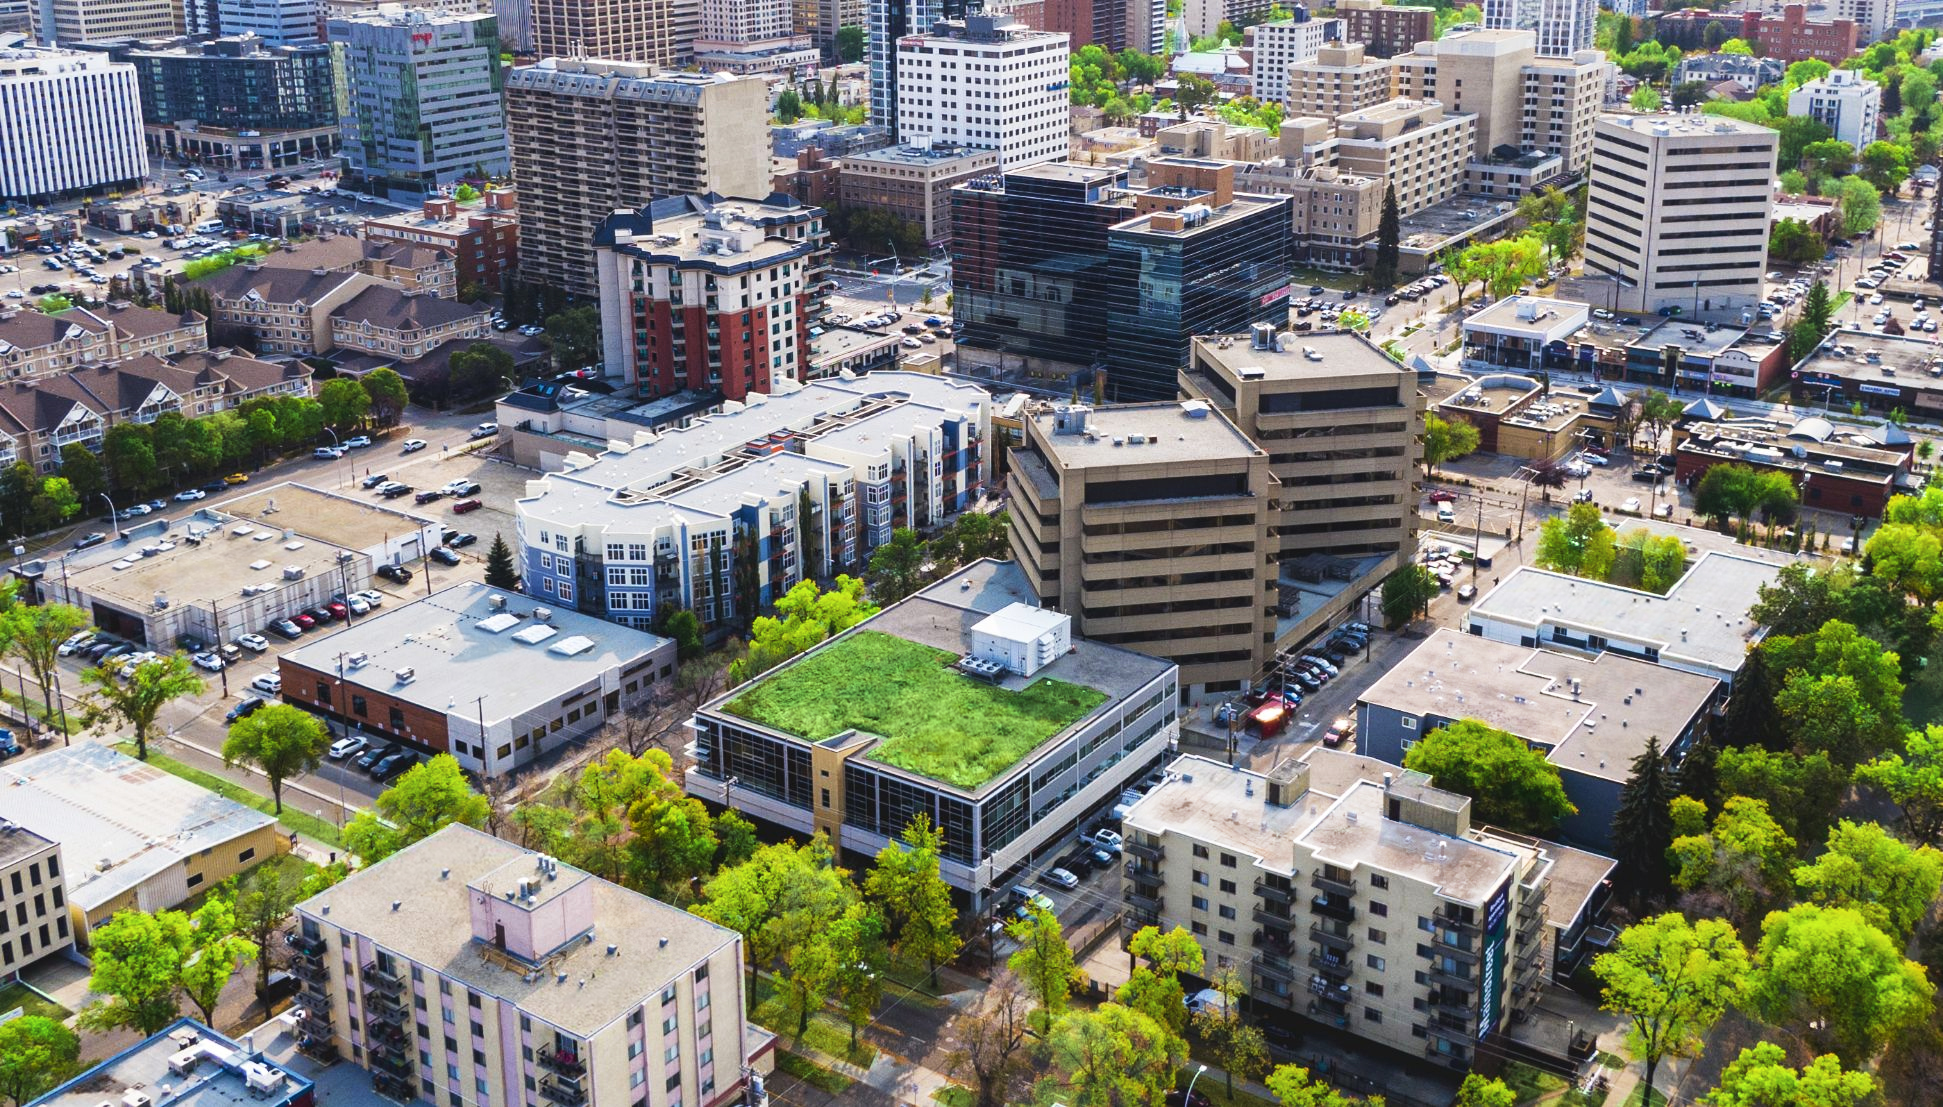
[{"x": 1019, "y": 622}]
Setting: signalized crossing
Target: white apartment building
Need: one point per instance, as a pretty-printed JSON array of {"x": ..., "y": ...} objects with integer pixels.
[
  {"x": 1873, "y": 18},
  {"x": 741, "y": 22},
  {"x": 1340, "y": 79},
  {"x": 1350, "y": 892},
  {"x": 1848, "y": 103},
  {"x": 989, "y": 85},
  {"x": 70, "y": 123},
  {"x": 1678, "y": 210},
  {"x": 276, "y": 22},
  {"x": 1564, "y": 27},
  {"x": 552, "y": 985},
  {"x": 1561, "y": 102},
  {"x": 1413, "y": 144},
  {"x": 1282, "y": 44},
  {"x": 425, "y": 93}
]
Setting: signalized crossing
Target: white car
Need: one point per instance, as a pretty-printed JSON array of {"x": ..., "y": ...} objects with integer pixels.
[
  {"x": 357, "y": 443},
  {"x": 15, "y": 294},
  {"x": 254, "y": 642},
  {"x": 1578, "y": 469},
  {"x": 345, "y": 747},
  {"x": 1594, "y": 459},
  {"x": 136, "y": 509},
  {"x": 413, "y": 445},
  {"x": 268, "y": 682},
  {"x": 374, "y": 598},
  {"x": 1875, "y": 298},
  {"x": 485, "y": 430},
  {"x": 327, "y": 453},
  {"x": 190, "y": 495},
  {"x": 208, "y": 662},
  {"x": 1631, "y": 504},
  {"x": 75, "y": 641},
  {"x": 357, "y": 605}
]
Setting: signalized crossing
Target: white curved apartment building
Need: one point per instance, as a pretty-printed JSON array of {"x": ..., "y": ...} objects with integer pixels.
[{"x": 70, "y": 123}]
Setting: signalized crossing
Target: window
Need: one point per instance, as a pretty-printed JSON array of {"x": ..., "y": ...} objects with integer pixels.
[
  {"x": 1225, "y": 911},
  {"x": 246, "y": 854},
  {"x": 1227, "y": 887},
  {"x": 1200, "y": 878},
  {"x": 1379, "y": 881},
  {"x": 1371, "y": 1014},
  {"x": 1379, "y": 937},
  {"x": 1373, "y": 961},
  {"x": 1199, "y": 927},
  {"x": 1380, "y": 910},
  {"x": 1227, "y": 860},
  {"x": 1200, "y": 851},
  {"x": 1408, "y": 722},
  {"x": 668, "y": 994},
  {"x": 1200, "y": 903},
  {"x": 1373, "y": 988}
]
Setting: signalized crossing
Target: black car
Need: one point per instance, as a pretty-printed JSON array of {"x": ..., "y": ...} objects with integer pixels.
[
  {"x": 374, "y": 480},
  {"x": 461, "y": 541},
  {"x": 373, "y": 755},
  {"x": 395, "y": 573},
  {"x": 392, "y": 764},
  {"x": 1079, "y": 862},
  {"x": 95, "y": 539},
  {"x": 99, "y": 649},
  {"x": 396, "y": 491},
  {"x": 469, "y": 488},
  {"x": 448, "y": 534},
  {"x": 426, "y": 496},
  {"x": 245, "y": 709},
  {"x": 216, "y": 486},
  {"x": 1646, "y": 475},
  {"x": 286, "y": 630},
  {"x": 443, "y": 556}
]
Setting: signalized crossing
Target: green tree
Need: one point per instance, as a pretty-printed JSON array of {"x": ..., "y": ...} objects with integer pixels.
[
  {"x": 280, "y": 741},
  {"x": 685, "y": 628},
  {"x": 1825, "y": 974},
  {"x": 1044, "y": 962},
  {"x": 1155, "y": 987},
  {"x": 345, "y": 403},
  {"x": 1294, "y": 1087},
  {"x": 501, "y": 571},
  {"x": 1645, "y": 98},
  {"x": 33, "y": 633},
  {"x": 1910, "y": 557},
  {"x": 130, "y": 457},
  {"x": 1802, "y": 72},
  {"x": 261, "y": 899},
  {"x": 1839, "y": 649},
  {"x": 896, "y": 567},
  {"x": 1447, "y": 440},
  {"x": 789, "y": 106},
  {"x": 1480, "y": 1091},
  {"x": 1671, "y": 980},
  {"x": 805, "y": 616},
  {"x": 858, "y": 957},
  {"x": 1193, "y": 93},
  {"x": 907, "y": 883},
  {"x": 1114, "y": 1056},
  {"x": 1406, "y": 592},
  {"x": 1578, "y": 542},
  {"x": 1801, "y": 790},
  {"x": 1642, "y": 827},
  {"x": 1798, "y": 132},
  {"x": 36, "y": 1054},
  {"x": 850, "y": 44},
  {"x": 671, "y": 835},
  {"x": 387, "y": 394},
  {"x": 84, "y": 472},
  {"x": 574, "y": 336},
  {"x": 779, "y": 899},
  {"x": 1793, "y": 242},
  {"x": 1237, "y": 1048},
  {"x": 1652, "y": 562},
  {"x": 135, "y": 700},
  {"x": 479, "y": 369},
  {"x": 1913, "y": 781},
  {"x": 138, "y": 968},
  {"x": 1889, "y": 882},
  {"x": 215, "y": 952},
  {"x": 1861, "y": 205},
  {"x": 1510, "y": 784},
  {"x": 1760, "y": 1077},
  {"x": 431, "y": 796},
  {"x": 1744, "y": 859},
  {"x": 1885, "y": 165},
  {"x": 1389, "y": 236}
]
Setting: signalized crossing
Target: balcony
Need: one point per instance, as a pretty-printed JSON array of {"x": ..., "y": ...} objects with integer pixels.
[
  {"x": 395, "y": 1065},
  {"x": 1451, "y": 979},
  {"x": 307, "y": 947},
  {"x": 310, "y": 969},
  {"x": 378, "y": 980},
  {"x": 1445, "y": 942},
  {"x": 320, "y": 1048},
  {"x": 1331, "y": 964},
  {"x": 398, "y": 1088},
  {"x": 1331, "y": 886},
  {"x": 1329, "y": 991},
  {"x": 1449, "y": 916},
  {"x": 1144, "y": 851},
  {"x": 1333, "y": 939},
  {"x": 1140, "y": 902},
  {"x": 564, "y": 1092},
  {"x": 563, "y": 1060},
  {"x": 1273, "y": 918},
  {"x": 1332, "y": 908},
  {"x": 1275, "y": 894},
  {"x": 1274, "y": 941},
  {"x": 315, "y": 995},
  {"x": 1442, "y": 1001},
  {"x": 1275, "y": 968},
  {"x": 377, "y": 1009}
]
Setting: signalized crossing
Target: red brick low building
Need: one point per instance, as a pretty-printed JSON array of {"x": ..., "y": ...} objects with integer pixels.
[
  {"x": 483, "y": 237},
  {"x": 1790, "y": 36}
]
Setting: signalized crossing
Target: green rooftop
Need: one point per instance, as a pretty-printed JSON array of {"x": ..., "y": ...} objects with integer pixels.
[{"x": 933, "y": 720}]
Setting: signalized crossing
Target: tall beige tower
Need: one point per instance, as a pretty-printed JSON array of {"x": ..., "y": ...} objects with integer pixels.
[{"x": 658, "y": 32}]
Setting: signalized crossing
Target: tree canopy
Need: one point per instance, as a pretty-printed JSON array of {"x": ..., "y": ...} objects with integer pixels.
[
  {"x": 1510, "y": 784},
  {"x": 1826, "y": 974},
  {"x": 1671, "y": 980}
]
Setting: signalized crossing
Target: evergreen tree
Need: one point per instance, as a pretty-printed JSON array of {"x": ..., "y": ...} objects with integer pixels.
[
  {"x": 1388, "y": 236},
  {"x": 1699, "y": 776},
  {"x": 1642, "y": 828},
  {"x": 500, "y": 570}
]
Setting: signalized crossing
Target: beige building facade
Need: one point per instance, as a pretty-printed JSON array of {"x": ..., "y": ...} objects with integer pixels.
[
  {"x": 1340, "y": 80},
  {"x": 659, "y": 33},
  {"x": 1521, "y": 99},
  {"x": 1414, "y": 145},
  {"x": 34, "y": 918},
  {"x": 591, "y": 136},
  {"x": 912, "y": 182},
  {"x": 1150, "y": 525}
]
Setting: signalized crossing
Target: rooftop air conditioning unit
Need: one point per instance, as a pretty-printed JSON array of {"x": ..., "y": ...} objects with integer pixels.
[
  {"x": 543, "y": 614},
  {"x": 406, "y": 675},
  {"x": 357, "y": 660},
  {"x": 293, "y": 572}
]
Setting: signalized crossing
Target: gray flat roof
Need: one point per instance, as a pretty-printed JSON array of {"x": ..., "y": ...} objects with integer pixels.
[
  {"x": 1169, "y": 431},
  {"x": 1692, "y": 336},
  {"x": 218, "y": 1078},
  {"x": 432, "y": 927},
  {"x": 1869, "y": 356},
  {"x": 118, "y": 820},
  {"x": 1344, "y": 354},
  {"x": 1596, "y": 730},
  {"x": 448, "y": 641},
  {"x": 1702, "y": 619},
  {"x": 17, "y": 843}
]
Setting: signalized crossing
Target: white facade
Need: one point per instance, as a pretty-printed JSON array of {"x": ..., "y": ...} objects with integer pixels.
[
  {"x": 1873, "y": 18},
  {"x": 1564, "y": 27},
  {"x": 1848, "y": 103},
  {"x": 69, "y": 122},
  {"x": 746, "y": 21},
  {"x": 276, "y": 22},
  {"x": 989, "y": 86},
  {"x": 1021, "y": 638},
  {"x": 1678, "y": 210},
  {"x": 1282, "y": 44}
]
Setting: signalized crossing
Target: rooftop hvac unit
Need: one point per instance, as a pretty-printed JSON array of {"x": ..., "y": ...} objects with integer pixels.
[
  {"x": 293, "y": 572},
  {"x": 1261, "y": 336},
  {"x": 543, "y": 614},
  {"x": 406, "y": 675},
  {"x": 261, "y": 1078},
  {"x": 357, "y": 660},
  {"x": 496, "y": 601}
]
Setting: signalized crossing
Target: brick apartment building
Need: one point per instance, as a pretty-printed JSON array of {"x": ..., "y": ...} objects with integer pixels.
[
  {"x": 483, "y": 238},
  {"x": 1790, "y": 37}
]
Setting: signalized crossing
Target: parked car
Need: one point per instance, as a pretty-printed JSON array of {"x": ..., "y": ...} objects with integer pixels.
[
  {"x": 394, "y": 490},
  {"x": 255, "y": 642},
  {"x": 461, "y": 487},
  {"x": 443, "y": 555},
  {"x": 230, "y": 652},
  {"x": 463, "y": 506},
  {"x": 346, "y": 747},
  {"x": 268, "y": 682},
  {"x": 374, "y": 480},
  {"x": 190, "y": 495},
  {"x": 87, "y": 540},
  {"x": 461, "y": 541},
  {"x": 304, "y": 620},
  {"x": 208, "y": 662},
  {"x": 1647, "y": 474},
  {"x": 338, "y": 609},
  {"x": 236, "y": 478},
  {"x": 357, "y": 442},
  {"x": 327, "y": 453},
  {"x": 77, "y": 640},
  {"x": 484, "y": 430},
  {"x": 286, "y": 629},
  {"x": 428, "y": 496},
  {"x": 396, "y": 573},
  {"x": 372, "y": 755},
  {"x": 1442, "y": 496},
  {"x": 1108, "y": 840},
  {"x": 393, "y": 766},
  {"x": 374, "y": 598},
  {"x": 245, "y": 709}
]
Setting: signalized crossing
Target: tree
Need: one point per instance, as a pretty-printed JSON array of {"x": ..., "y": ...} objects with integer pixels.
[
  {"x": 1479, "y": 1091},
  {"x": 671, "y": 835},
  {"x": 215, "y": 951},
  {"x": 345, "y": 403},
  {"x": 1873, "y": 696},
  {"x": 1652, "y": 562},
  {"x": 1645, "y": 98},
  {"x": 33, "y": 633},
  {"x": 36, "y": 1054},
  {"x": 1447, "y": 440},
  {"x": 1510, "y": 784},
  {"x": 1671, "y": 980},
  {"x": 1885, "y": 165},
  {"x": 477, "y": 370},
  {"x": 1407, "y": 592},
  {"x": 1909, "y": 557},
  {"x": 1913, "y": 780},
  {"x": 896, "y": 567},
  {"x": 789, "y": 106},
  {"x": 1114, "y": 1056},
  {"x": 1827, "y": 975},
  {"x": 281, "y": 741},
  {"x": 1293, "y": 1087},
  {"x": 1578, "y": 543},
  {"x": 387, "y": 394},
  {"x": 1861, "y": 205},
  {"x": 574, "y": 336},
  {"x": 907, "y": 884},
  {"x": 1743, "y": 860},
  {"x": 84, "y": 472},
  {"x": 1044, "y": 962},
  {"x": 991, "y": 1045},
  {"x": 131, "y": 459},
  {"x": 1389, "y": 236},
  {"x": 1802, "y": 72},
  {"x": 1801, "y": 790},
  {"x": 261, "y": 899},
  {"x": 138, "y": 966},
  {"x": 850, "y": 44},
  {"x": 1888, "y": 881},
  {"x": 1642, "y": 827},
  {"x": 778, "y": 899},
  {"x": 1760, "y": 1077},
  {"x": 431, "y": 796},
  {"x": 1237, "y": 1048},
  {"x": 1155, "y": 987},
  {"x": 1794, "y": 242},
  {"x": 1193, "y": 93},
  {"x": 685, "y": 628},
  {"x": 135, "y": 700},
  {"x": 501, "y": 572},
  {"x": 805, "y": 616}
]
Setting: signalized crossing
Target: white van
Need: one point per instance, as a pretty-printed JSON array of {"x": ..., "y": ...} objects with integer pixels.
[{"x": 209, "y": 226}]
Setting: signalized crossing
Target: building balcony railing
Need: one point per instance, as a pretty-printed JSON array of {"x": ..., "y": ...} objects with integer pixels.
[
  {"x": 1441, "y": 976},
  {"x": 377, "y": 1010},
  {"x": 320, "y": 1048},
  {"x": 1274, "y": 941},
  {"x": 1275, "y": 968},
  {"x": 1446, "y": 943},
  {"x": 1326, "y": 962},
  {"x": 1333, "y": 939},
  {"x": 1448, "y": 916},
  {"x": 1143, "y": 850},
  {"x": 1439, "y": 1000},
  {"x": 1331, "y": 886},
  {"x": 1333, "y": 908},
  {"x": 1141, "y": 902},
  {"x": 1275, "y": 894},
  {"x": 397, "y": 1087},
  {"x": 378, "y": 980},
  {"x": 316, "y": 995},
  {"x": 1268, "y": 917},
  {"x": 310, "y": 969},
  {"x": 564, "y": 1061},
  {"x": 307, "y": 947},
  {"x": 1329, "y": 991},
  {"x": 396, "y": 1066},
  {"x": 564, "y": 1092}
]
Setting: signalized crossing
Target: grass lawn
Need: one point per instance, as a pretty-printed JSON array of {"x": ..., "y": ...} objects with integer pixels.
[
  {"x": 292, "y": 818},
  {"x": 951, "y": 1095},
  {"x": 1216, "y": 1089},
  {"x": 827, "y": 1034},
  {"x": 38, "y": 710},
  {"x": 813, "y": 1074},
  {"x": 934, "y": 721},
  {"x": 30, "y": 1002},
  {"x": 1529, "y": 1083}
]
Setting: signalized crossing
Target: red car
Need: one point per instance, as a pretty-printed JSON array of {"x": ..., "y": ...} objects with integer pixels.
[
  {"x": 464, "y": 506},
  {"x": 338, "y": 610},
  {"x": 1441, "y": 496},
  {"x": 303, "y": 620}
]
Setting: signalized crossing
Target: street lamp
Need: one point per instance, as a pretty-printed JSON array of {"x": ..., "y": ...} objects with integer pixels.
[
  {"x": 1188, "y": 1099},
  {"x": 114, "y": 517}
]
